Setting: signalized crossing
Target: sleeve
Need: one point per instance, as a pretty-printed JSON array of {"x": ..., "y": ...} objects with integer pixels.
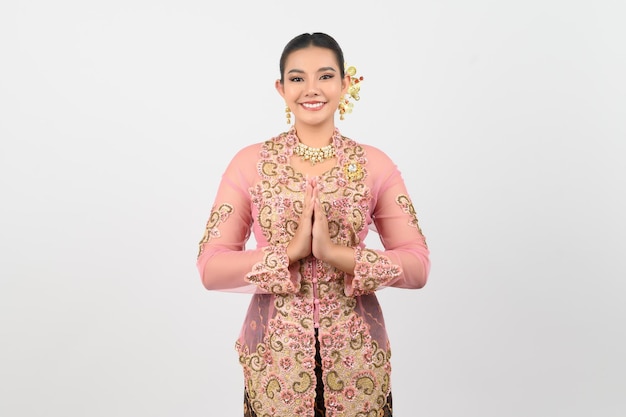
[
  {"x": 405, "y": 260},
  {"x": 223, "y": 261}
]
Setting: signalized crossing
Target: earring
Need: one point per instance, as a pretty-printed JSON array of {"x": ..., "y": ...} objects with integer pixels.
[{"x": 288, "y": 114}]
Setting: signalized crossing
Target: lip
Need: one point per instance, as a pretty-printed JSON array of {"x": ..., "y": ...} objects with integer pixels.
[{"x": 313, "y": 105}]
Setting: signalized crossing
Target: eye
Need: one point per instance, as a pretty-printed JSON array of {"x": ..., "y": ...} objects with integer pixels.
[
  {"x": 296, "y": 79},
  {"x": 327, "y": 76}
]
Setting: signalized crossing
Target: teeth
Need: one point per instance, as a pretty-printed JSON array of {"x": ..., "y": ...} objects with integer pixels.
[{"x": 312, "y": 106}]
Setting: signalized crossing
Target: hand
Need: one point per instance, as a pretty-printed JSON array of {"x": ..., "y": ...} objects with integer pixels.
[
  {"x": 322, "y": 245},
  {"x": 313, "y": 235},
  {"x": 300, "y": 245}
]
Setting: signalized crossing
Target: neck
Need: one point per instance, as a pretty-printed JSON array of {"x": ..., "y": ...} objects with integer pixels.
[{"x": 315, "y": 136}]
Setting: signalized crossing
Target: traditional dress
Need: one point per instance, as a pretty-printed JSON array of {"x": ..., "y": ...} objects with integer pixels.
[{"x": 310, "y": 312}]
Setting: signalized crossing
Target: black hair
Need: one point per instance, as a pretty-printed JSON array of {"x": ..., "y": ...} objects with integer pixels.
[{"x": 305, "y": 40}]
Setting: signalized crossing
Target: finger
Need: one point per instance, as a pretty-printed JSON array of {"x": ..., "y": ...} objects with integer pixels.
[
  {"x": 315, "y": 194},
  {"x": 320, "y": 214},
  {"x": 308, "y": 198}
]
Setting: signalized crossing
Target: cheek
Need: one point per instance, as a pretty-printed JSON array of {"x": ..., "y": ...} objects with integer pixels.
[
  {"x": 293, "y": 92},
  {"x": 337, "y": 95},
  {"x": 290, "y": 96}
]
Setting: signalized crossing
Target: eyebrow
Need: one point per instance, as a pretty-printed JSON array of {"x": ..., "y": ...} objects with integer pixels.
[{"x": 299, "y": 71}]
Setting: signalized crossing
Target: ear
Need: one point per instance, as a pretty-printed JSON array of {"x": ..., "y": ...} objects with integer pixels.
[
  {"x": 280, "y": 88},
  {"x": 345, "y": 84}
]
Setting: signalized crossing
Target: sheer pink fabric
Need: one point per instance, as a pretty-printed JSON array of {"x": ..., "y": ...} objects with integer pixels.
[{"x": 260, "y": 193}]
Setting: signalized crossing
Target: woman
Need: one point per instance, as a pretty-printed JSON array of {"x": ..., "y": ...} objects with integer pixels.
[{"x": 313, "y": 342}]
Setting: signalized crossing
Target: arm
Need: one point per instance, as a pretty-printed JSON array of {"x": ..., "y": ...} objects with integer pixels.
[
  {"x": 405, "y": 262},
  {"x": 223, "y": 262}
]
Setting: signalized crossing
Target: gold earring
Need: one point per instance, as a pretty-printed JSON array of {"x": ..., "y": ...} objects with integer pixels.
[{"x": 288, "y": 114}]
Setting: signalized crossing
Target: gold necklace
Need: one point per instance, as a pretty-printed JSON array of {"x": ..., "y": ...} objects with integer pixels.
[{"x": 315, "y": 155}]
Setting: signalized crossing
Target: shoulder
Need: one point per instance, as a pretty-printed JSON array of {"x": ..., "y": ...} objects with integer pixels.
[
  {"x": 255, "y": 150},
  {"x": 247, "y": 153},
  {"x": 247, "y": 161},
  {"x": 372, "y": 154},
  {"x": 376, "y": 155},
  {"x": 379, "y": 168}
]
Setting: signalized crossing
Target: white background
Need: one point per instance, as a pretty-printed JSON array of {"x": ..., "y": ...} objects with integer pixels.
[{"x": 507, "y": 120}]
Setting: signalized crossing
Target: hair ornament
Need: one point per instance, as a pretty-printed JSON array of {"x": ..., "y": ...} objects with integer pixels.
[{"x": 345, "y": 105}]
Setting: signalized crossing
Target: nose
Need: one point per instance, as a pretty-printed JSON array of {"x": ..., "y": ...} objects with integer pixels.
[{"x": 312, "y": 88}]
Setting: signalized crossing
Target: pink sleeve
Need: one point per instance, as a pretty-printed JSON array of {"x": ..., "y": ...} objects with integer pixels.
[
  {"x": 405, "y": 262},
  {"x": 223, "y": 261}
]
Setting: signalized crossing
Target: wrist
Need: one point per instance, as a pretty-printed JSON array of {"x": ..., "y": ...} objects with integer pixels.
[
  {"x": 330, "y": 253},
  {"x": 293, "y": 254}
]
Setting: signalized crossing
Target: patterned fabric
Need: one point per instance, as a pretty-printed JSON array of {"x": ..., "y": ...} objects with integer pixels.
[
  {"x": 320, "y": 408},
  {"x": 313, "y": 332}
]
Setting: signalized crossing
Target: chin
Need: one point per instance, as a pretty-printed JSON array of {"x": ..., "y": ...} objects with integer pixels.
[{"x": 316, "y": 119}]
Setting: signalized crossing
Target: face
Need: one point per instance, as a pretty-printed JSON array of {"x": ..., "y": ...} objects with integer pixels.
[{"x": 312, "y": 85}]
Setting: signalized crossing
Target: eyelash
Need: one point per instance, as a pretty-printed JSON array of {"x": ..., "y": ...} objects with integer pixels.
[{"x": 323, "y": 77}]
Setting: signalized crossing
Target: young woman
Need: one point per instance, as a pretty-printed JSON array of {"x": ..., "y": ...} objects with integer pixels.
[{"x": 313, "y": 342}]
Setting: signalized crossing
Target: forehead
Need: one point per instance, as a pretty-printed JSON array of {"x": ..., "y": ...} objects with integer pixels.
[{"x": 311, "y": 59}]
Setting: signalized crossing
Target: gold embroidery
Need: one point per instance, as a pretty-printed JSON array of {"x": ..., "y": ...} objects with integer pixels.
[
  {"x": 272, "y": 274},
  {"x": 407, "y": 206},
  {"x": 334, "y": 381},
  {"x": 280, "y": 370},
  {"x": 372, "y": 271},
  {"x": 216, "y": 218},
  {"x": 272, "y": 387},
  {"x": 365, "y": 382},
  {"x": 305, "y": 383}
]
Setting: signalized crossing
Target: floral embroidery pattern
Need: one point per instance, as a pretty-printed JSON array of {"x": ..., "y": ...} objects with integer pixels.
[
  {"x": 407, "y": 206},
  {"x": 218, "y": 216},
  {"x": 372, "y": 271},
  {"x": 272, "y": 274},
  {"x": 279, "y": 366}
]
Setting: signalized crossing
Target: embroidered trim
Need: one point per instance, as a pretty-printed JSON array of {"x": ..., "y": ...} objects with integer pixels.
[
  {"x": 407, "y": 206},
  {"x": 272, "y": 273},
  {"x": 372, "y": 271},
  {"x": 277, "y": 348},
  {"x": 217, "y": 217}
]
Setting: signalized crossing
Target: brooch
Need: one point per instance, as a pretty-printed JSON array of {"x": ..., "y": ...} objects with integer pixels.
[{"x": 353, "y": 171}]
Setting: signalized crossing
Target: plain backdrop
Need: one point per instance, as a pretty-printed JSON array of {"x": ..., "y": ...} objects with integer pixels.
[{"x": 506, "y": 119}]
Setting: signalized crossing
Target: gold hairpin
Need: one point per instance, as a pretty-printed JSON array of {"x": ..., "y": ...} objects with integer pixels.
[{"x": 345, "y": 105}]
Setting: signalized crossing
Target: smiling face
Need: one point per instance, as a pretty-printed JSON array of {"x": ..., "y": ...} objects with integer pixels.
[{"x": 312, "y": 85}]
